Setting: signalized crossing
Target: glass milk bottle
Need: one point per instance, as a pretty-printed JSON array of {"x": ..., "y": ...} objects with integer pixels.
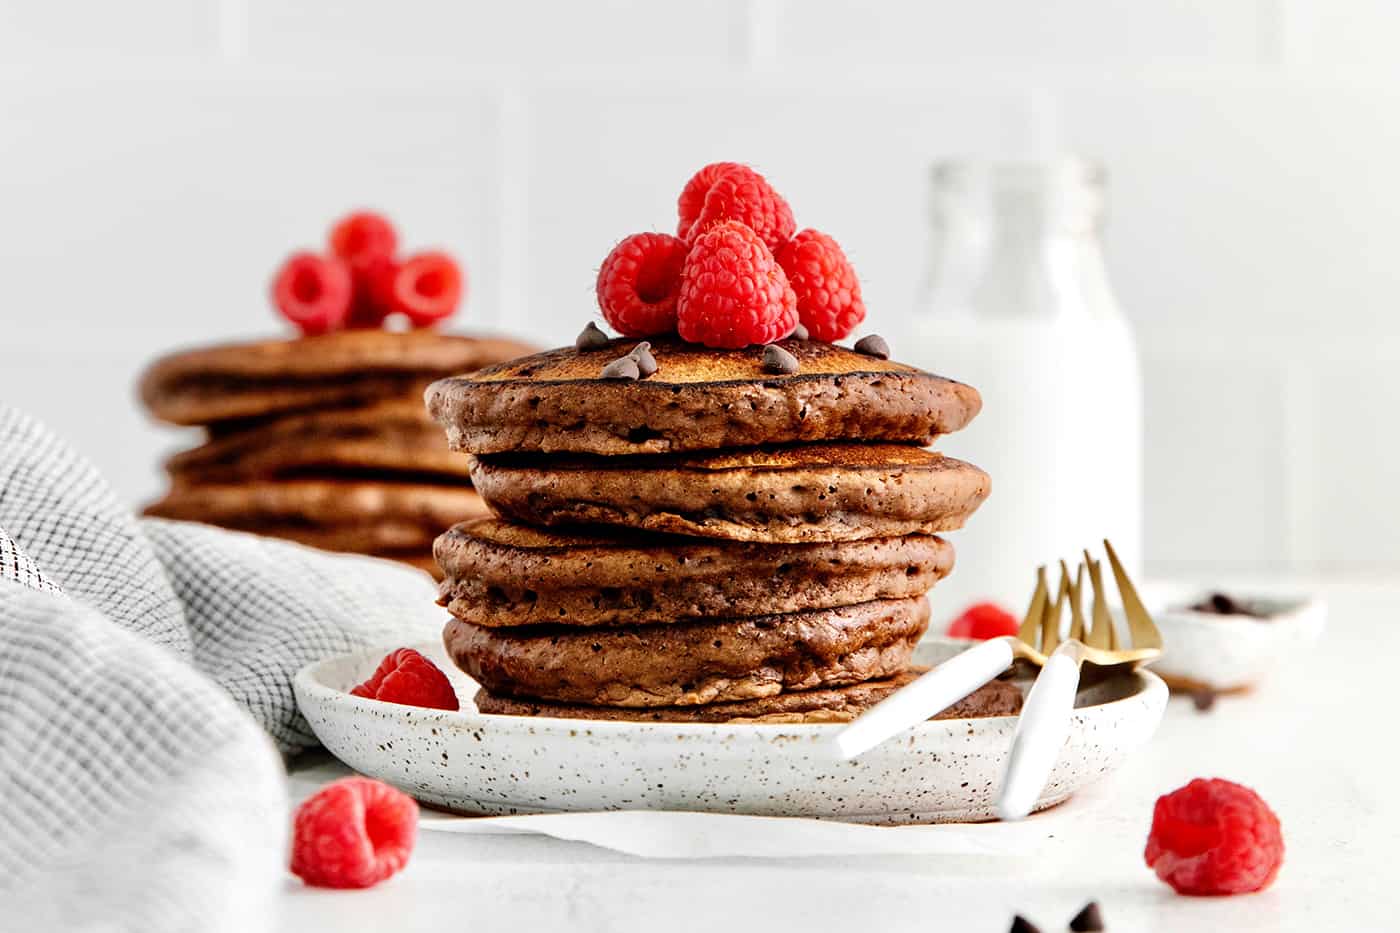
[{"x": 1017, "y": 303}]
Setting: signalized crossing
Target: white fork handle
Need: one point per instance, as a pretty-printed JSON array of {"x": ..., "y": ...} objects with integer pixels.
[
  {"x": 1040, "y": 733},
  {"x": 932, "y": 693}
]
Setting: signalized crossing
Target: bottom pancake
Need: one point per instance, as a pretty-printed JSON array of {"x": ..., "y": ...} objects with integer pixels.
[
  {"x": 835, "y": 704},
  {"x": 692, "y": 663}
]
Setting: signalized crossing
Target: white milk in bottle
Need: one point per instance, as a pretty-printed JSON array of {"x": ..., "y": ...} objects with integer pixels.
[{"x": 1017, "y": 304}]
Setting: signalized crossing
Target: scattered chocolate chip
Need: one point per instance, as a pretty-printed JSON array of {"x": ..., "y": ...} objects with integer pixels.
[
  {"x": 641, "y": 355},
  {"x": 623, "y": 367},
  {"x": 1222, "y": 605},
  {"x": 800, "y": 332},
  {"x": 873, "y": 345},
  {"x": 778, "y": 360},
  {"x": 1087, "y": 919},
  {"x": 590, "y": 338},
  {"x": 1020, "y": 924},
  {"x": 1204, "y": 699}
]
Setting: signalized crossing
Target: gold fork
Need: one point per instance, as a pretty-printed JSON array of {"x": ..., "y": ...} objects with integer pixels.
[{"x": 1045, "y": 717}]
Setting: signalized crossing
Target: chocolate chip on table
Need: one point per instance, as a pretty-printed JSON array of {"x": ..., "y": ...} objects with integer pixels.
[
  {"x": 873, "y": 345},
  {"x": 641, "y": 355},
  {"x": 1087, "y": 919},
  {"x": 1222, "y": 605},
  {"x": 1204, "y": 699},
  {"x": 623, "y": 367},
  {"x": 800, "y": 332},
  {"x": 591, "y": 338},
  {"x": 778, "y": 360},
  {"x": 1020, "y": 924}
]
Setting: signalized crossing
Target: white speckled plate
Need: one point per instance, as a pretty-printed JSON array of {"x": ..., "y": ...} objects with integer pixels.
[{"x": 942, "y": 772}]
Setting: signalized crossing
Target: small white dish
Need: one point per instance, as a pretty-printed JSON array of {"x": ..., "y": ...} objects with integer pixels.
[
  {"x": 465, "y": 761},
  {"x": 1210, "y": 651}
]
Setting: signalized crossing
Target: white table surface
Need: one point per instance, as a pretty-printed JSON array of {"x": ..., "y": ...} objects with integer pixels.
[{"x": 1315, "y": 741}]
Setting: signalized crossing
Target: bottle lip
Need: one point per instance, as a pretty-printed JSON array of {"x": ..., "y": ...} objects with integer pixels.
[{"x": 1072, "y": 171}]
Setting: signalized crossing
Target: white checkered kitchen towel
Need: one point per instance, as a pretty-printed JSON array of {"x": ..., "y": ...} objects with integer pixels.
[{"x": 145, "y": 690}]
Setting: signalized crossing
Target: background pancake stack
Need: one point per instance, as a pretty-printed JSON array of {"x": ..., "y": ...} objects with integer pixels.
[
  {"x": 323, "y": 440},
  {"x": 714, "y": 541}
]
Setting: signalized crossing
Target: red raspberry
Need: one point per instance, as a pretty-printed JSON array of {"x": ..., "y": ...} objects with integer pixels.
[
  {"x": 983, "y": 621},
  {"x": 313, "y": 292},
  {"x": 353, "y": 833},
  {"x": 828, "y": 292},
  {"x": 733, "y": 292},
  {"x": 364, "y": 239},
  {"x": 427, "y": 288},
  {"x": 692, "y": 198},
  {"x": 405, "y": 676},
  {"x": 371, "y": 303},
  {"x": 1214, "y": 837},
  {"x": 638, "y": 284},
  {"x": 742, "y": 194}
]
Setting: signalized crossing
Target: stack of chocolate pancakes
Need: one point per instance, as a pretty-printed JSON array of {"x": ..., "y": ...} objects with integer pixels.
[
  {"x": 323, "y": 440},
  {"x": 720, "y": 539}
]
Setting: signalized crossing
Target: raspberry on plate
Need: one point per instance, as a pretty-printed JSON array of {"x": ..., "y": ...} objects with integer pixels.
[
  {"x": 1214, "y": 837},
  {"x": 639, "y": 282},
  {"x": 828, "y": 292},
  {"x": 739, "y": 193},
  {"x": 733, "y": 292},
  {"x": 983, "y": 621},
  {"x": 313, "y": 292},
  {"x": 692, "y": 197},
  {"x": 405, "y": 676},
  {"x": 426, "y": 288},
  {"x": 353, "y": 833}
]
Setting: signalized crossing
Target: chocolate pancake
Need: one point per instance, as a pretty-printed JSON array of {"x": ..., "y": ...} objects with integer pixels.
[
  {"x": 500, "y": 574},
  {"x": 833, "y": 704},
  {"x": 251, "y": 380},
  {"x": 809, "y": 492},
  {"x": 394, "y": 436},
  {"x": 698, "y": 399},
  {"x": 687, "y": 664},
  {"x": 340, "y": 515}
]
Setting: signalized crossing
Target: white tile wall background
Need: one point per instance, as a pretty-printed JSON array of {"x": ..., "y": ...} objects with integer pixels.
[{"x": 158, "y": 157}]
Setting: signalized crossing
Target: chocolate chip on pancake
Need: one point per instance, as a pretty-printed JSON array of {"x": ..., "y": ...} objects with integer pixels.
[
  {"x": 390, "y": 436},
  {"x": 250, "y": 380},
  {"x": 345, "y": 515},
  {"x": 699, "y": 399},
  {"x": 501, "y": 574},
  {"x": 810, "y": 492},
  {"x": 711, "y": 661},
  {"x": 831, "y": 704}
]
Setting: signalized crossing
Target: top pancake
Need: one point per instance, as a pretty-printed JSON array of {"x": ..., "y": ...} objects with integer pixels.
[
  {"x": 698, "y": 399},
  {"x": 251, "y": 380}
]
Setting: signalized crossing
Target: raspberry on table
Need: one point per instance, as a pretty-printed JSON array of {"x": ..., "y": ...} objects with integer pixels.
[
  {"x": 405, "y": 676},
  {"x": 639, "y": 282},
  {"x": 1214, "y": 837},
  {"x": 692, "y": 197},
  {"x": 983, "y": 621},
  {"x": 313, "y": 292},
  {"x": 828, "y": 292},
  {"x": 733, "y": 292},
  {"x": 739, "y": 193},
  {"x": 426, "y": 288},
  {"x": 353, "y": 833}
]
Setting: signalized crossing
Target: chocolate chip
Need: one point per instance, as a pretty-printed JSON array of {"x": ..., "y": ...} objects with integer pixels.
[
  {"x": 1020, "y": 924},
  {"x": 624, "y": 367},
  {"x": 1087, "y": 919},
  {"x": 778, "y": 360},
  {"x": 800, "y": 332},
  {"x": 641, "y": 355},
  {"x": 590, "y": 338},
  {"x": 1204, "y": 699},
  {"x": 873, "y": 345}
]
